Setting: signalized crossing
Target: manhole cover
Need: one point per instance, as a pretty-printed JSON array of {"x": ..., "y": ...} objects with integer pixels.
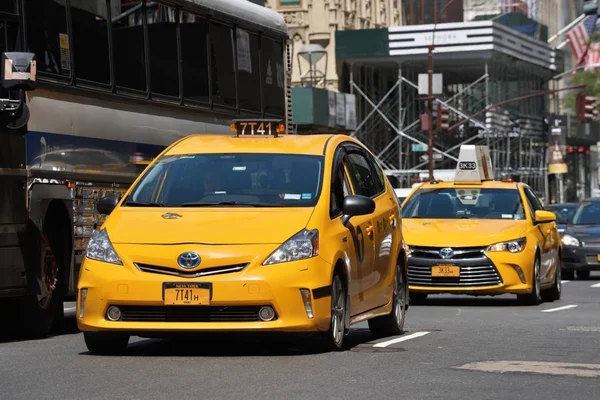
[{"x": 377, "y": 349}]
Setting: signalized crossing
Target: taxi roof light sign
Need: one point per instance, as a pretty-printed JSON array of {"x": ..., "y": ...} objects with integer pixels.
[
  {"x": 257, "y": 127},
  {"x": 474, "y": 165}
]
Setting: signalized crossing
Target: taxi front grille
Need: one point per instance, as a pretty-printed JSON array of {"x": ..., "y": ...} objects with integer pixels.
[
  {"x": 190, "y": 313},
  {"x": 225, "y": 269},
  {"x": 470, "y": 276},
  {"x": 458, "y": 252}
]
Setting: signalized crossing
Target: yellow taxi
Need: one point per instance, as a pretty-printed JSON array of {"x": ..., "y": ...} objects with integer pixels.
[
  {"x": 257, "y": 231},
  {"x": 478, "y": 236}
]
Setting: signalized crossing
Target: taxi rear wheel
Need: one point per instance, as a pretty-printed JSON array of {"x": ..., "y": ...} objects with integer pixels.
[
  {"x": 105, "y": 343},
  {"x": 334, "y": 337},
  {"x": 393, "y": 324},
  {"x": 535, "y": 297}
]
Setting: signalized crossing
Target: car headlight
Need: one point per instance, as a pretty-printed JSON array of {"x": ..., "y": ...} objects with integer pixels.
[
  {"x": 569, "y": 240},
  {"x": 304, "y": 244},
  {"x": 101, "y": 249},
  {"x": 512, "y": 246}
]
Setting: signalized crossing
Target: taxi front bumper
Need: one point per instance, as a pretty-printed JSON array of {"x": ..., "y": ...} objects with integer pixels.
[
  {"x": 480, "y": 272},
  {"x": 234, "y": 304}
]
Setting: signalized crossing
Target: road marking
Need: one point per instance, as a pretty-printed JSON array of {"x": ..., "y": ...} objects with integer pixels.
[
  {"x": 595, "y": 285},
  {"x": 401, "y": 339},
  {"x": 536, "y": 367},
  {"x": 560, "y": 308},
  {"x": 565, "y": 281}
]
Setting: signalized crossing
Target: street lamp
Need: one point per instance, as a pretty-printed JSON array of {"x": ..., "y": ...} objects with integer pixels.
[{"x": 312, "y": 53}]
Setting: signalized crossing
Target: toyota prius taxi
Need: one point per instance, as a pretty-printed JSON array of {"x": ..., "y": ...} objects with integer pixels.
[
  {"x": 478, "y": 236},
  {"x": 257, "y": 231}
]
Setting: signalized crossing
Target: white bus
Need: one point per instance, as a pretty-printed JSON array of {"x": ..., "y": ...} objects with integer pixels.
[{"x": 116, "y": 82}]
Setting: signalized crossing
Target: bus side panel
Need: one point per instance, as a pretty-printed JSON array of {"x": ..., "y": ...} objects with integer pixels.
[{"x": 13, "y": 212}]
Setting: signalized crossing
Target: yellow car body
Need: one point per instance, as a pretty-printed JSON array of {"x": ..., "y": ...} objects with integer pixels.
[
  {"x": 231, "y": 283},
  {"x": 462, "y": 247}
]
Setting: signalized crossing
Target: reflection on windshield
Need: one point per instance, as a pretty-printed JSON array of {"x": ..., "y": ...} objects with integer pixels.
[
  {"x": 468, "y": 203},
  {"x": 587, "y": 214},
  {"x": 213, "y": 180}
]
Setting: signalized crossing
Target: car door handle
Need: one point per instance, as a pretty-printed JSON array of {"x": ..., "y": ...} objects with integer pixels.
[{"x": 369, "y": 229}]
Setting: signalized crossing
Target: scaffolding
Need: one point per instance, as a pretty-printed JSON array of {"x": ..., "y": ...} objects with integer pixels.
[{"x": 389, "y": 106}]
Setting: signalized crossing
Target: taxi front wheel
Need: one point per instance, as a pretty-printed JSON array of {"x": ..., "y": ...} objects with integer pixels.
[
  {"x": 334, "y": 337},
  {"x": 105, "y": 343},
  {"x": 535, "y": 297}
]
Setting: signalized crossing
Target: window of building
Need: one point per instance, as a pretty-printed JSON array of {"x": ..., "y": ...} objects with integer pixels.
[
  {"x": 287, "y": 3},
  {"x": 128, "y": 44},
  {"x": 8, "y": 6},
  {"x": 162, "y": 39},
  {"x": 90, "y": 41},
  {"x": 272, "y": 75},
  {"x": 194, "y": 56},
  {"x": 248, "y": 68},
  {"x": 47, "y": 36},
  {"x": 222, "y": 65}
]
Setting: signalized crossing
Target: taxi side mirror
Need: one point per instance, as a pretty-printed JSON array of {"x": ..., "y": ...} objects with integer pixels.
[
  {"x": 542, "y": 216},
  {"x": 107, "y": 204},
  {"x": 355, "y": 205}
]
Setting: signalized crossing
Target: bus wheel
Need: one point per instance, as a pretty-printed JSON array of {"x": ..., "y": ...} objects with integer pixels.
[{"x": 39, "y": 312}]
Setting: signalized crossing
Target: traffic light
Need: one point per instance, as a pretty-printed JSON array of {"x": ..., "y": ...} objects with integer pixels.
[
  {"x": 442, "y": 118},
  {"x": 590, "y": 7},
  {"x": 586, "y": 108}
]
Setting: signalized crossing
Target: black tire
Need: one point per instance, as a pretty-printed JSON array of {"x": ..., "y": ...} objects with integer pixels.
[
  {"x": 535, "y": 297},
  {"x": 333, "y": 339},
  {"x": 568, "y": 274},
  {"x": 39, "y": 314},
  {"x": 417, "y": 298},
  {"x": 106, "y": 343},
  {"x": 555, "y": 291},
  {"x": 393, "y": 323},
  {"x": 583, "y": 274}
]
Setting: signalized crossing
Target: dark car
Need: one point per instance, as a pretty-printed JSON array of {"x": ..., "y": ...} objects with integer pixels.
[
  {"x": 563, "y": 212},
  {"x": 581, "y": 241}
]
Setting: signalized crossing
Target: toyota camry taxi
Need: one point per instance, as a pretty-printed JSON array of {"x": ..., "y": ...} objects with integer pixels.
[
  {"x": 257, "y": 231},
  {"x": 478, "y": 236}
]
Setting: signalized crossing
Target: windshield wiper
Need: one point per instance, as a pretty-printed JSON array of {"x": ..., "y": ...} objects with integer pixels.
[
  {"x": 229, "y": 203},
  {"x": 142, "y": 204}
]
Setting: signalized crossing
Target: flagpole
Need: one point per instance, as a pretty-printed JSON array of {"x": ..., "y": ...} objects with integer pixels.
[
  {"x": 587, "y": 47},
  {"x": 566, "y": 28}
]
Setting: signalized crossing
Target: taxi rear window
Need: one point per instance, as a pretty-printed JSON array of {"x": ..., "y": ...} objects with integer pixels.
[
  {"x": 457, "y": 203},
  {"x": 253, "y": 180}
]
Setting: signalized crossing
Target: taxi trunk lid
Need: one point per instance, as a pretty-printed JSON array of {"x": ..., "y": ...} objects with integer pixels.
[{"x": 212, "y": 225}]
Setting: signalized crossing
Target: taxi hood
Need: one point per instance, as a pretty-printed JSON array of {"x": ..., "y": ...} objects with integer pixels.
[
  {"x": 460, "y": 232},
  {"x": 128, "y": 225}
]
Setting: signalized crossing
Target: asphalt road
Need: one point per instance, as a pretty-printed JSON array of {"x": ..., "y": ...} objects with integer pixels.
[{"x": 453, "y": 348}]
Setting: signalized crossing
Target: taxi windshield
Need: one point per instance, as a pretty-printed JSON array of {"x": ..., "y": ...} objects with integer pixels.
[
  {"x": 587, "y": 214},
  {"x": 234, "y": 179},
  {"x": 471, "y": 203}
]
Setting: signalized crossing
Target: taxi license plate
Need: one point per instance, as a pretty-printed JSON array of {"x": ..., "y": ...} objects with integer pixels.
[
  {"x": 445, "y": 271},
  {"x": 186, "y": 294}
]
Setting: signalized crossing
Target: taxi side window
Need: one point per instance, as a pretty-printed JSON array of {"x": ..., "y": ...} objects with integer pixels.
[
  {"x": 362, "y": 175},
  {"x": 340, "y": 188},
  {"x": 534, "y": 203},
  {"x": 379, "y": 178}
]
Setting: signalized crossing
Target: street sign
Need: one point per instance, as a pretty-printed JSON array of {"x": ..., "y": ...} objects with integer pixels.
[
  {"x": 436, "y": 157},
  {"x": 419, "y": 147},
  {"x": 436, "y": 84}
]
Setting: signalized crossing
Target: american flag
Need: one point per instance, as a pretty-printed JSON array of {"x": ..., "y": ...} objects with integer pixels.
[
  {"x": 580, "y": 35},
  {"x": 592, "y": 58}
]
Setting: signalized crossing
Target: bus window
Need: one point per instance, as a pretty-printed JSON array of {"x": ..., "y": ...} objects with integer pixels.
[
  {"x": 162, "y": 39},
  {"x": 221, "y": 50},
  {"x": 128, "y": 44},
  {"x": 47, "y": 35},
  {"x": 90, "y": 41},
  {"x": 248, "y": 70},
  {"x": 273, "y": 76},
  {"x": 194, "y": 31}
]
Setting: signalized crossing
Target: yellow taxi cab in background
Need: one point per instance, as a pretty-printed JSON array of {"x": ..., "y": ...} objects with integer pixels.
[
  {"x": 258, "y": 231},
  {"x": 478, "y": 236}
]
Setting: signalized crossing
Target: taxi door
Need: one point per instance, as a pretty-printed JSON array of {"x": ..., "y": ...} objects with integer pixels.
[
  {"x": 375, "y": 274},
  {"x": 547, "y": 239}
]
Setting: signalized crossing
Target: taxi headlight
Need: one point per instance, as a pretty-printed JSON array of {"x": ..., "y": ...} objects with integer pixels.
[
  {"x": 304, "y": 244},
  {"x": 569, "y": 240},
  {"x": 512, "y": 246},
  {"x": 101, "y": 249}
]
